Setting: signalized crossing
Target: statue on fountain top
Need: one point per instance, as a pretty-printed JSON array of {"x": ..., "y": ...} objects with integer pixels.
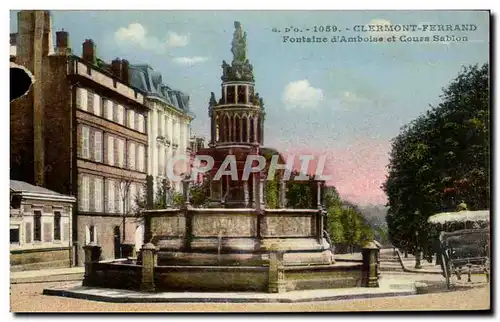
[
  {"x": 239, "y": 44},
  {"x": 240, "y": 68}
]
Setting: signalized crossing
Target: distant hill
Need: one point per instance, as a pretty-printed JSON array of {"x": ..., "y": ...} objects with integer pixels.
[{"x": 375, "y": 215}]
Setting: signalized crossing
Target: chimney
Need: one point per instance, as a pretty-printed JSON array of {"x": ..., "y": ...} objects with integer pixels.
[
  {"x": 116, "y": 68},
  {"x": 62, "y": 43},
  {"x": 125, "y": 71},
  {"x": 89, "y": 51}
]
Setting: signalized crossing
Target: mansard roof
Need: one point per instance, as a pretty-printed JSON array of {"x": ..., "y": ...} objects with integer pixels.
[{"x": 143, "y": 77}]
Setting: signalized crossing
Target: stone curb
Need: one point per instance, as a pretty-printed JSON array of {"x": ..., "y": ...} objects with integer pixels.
[
  {"x": 152, "y": 299},
  {"x": 410, "y": 270},
  {"x": 48, "y": 278}
]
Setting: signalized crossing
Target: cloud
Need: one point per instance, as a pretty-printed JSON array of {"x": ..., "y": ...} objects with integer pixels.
[
  {"x": 351, "y": 97},
  {"x": 189, "y": 60},
  {"x": 300, "y": 94},
  {"x": 136, "y": 34},
  {"x": 177, "y": 40}
]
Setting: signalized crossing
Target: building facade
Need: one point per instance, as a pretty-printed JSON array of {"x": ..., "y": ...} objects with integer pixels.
[
  {"x": 40, "y": 227},
  {"x": 82, "y": 131},
  {"x": 168, "y": 126}
]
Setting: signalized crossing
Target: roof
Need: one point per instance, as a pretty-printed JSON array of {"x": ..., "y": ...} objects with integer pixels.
[
  {"x": 460, "y": 216},
  {"x": 21, "y": 186},
  {"x": 26, "y": 188},
  {"x": 146, "y": 79}
]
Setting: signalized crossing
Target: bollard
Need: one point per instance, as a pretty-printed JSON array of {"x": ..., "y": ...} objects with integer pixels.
[
  {"x": 92, "y": 255},
  {"x": 276, "y": 272},
  {"x": 149, "y": 261},
  {"x": 370, "y": 267}
]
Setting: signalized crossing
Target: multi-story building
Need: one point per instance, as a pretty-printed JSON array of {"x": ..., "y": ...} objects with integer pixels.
[
  {"x": 81, "y": 130},
  {"x": 169, "y": 123}
]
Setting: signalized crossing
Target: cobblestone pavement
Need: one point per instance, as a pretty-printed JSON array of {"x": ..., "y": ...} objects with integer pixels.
[{"x": 475, "y": 296}]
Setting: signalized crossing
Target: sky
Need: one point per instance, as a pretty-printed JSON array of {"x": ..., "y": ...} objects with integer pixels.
[{"x": 343, "y": 100}]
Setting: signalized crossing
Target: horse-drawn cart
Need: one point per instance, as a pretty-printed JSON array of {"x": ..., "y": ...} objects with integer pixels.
[{"x": 465, "y": 249}]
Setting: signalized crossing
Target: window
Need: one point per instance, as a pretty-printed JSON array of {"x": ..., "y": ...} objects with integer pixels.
[
  {"x": 120, "y": 110},
  {"x": 140, "y": 123},
  {"x": 132, "y": 196},
  {"x": 111, "y": 196},
  {"x": 98, "y": 182},
  {"x": 81, "y": 98},
  {"x": 38, "y": 226},
  {"x": 90, "y": 101},
  {"x": 160, "y": 124},
  {"x": 131, "y": 119},
  {"x": 97, "y": 105},
  {"x": 91, "y": 234},
  {"x": 57, "y": 225},
  {"x": 141, "y": 157},
  {"x": 131, "y": 156},
  {"x": 230, "y": 95},
  {"x": 84, "y": 193},
  {"x": 98, "y": 146},
  {"x": 110, "y": 151},
  {"x": 14, "y": 235},
  {"x": 160, "y": 164},
  {"x": 242, "y": 95},
  {"x": 109, "y": 109},
  {"x": 121, "y": 152},
  {"x": 85, "y": 142}
]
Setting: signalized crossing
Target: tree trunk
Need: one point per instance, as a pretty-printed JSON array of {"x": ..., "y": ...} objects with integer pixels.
[
  {"x": 406, "y": 254},
  {"x": 418, "y": 259}
]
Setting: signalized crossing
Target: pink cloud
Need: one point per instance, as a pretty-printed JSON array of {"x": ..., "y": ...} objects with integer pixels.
[{"x": 357, "y": 171}]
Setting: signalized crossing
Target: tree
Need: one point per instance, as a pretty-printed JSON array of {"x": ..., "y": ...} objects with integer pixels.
[
  {"x": 272, "y": 193},
  {"x": 440, "y": 160},
  {"x": 299, "y": 193}
]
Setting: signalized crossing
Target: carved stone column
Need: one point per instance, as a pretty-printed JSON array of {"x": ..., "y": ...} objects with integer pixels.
[
  {"x": 248, "y": 128},
  {"x": 212, "y": 128},
  {"x": 276, "y": 283},
  {"x": 262, "y": 182},
  {"x": 318, "y": 194},
  {"x": 255, "y": 130},
  {"x": 370, "y": 266},
  {"x": 186, "y": 183},
  {"x": 245, "y": 190},
  {"x": 254, "y": 190},
  {"x": 149, "y": 261},
  {"x": 282, "y": 193},
  {"x": 92, "y": 255},
  {"x": 234, "y": 129}
]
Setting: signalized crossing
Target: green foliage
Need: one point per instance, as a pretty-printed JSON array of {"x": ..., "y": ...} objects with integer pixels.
[
  {"x": 440, "y": 160},
  {"x": 199, "y": 194},
  {"x": 299, "y": 194},
  {"x": 272, "y": 194},
  {"x": 177, "y": 199}
]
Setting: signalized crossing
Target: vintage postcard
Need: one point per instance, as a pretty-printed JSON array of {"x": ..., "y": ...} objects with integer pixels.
[{"x": 249, "y": 161}]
